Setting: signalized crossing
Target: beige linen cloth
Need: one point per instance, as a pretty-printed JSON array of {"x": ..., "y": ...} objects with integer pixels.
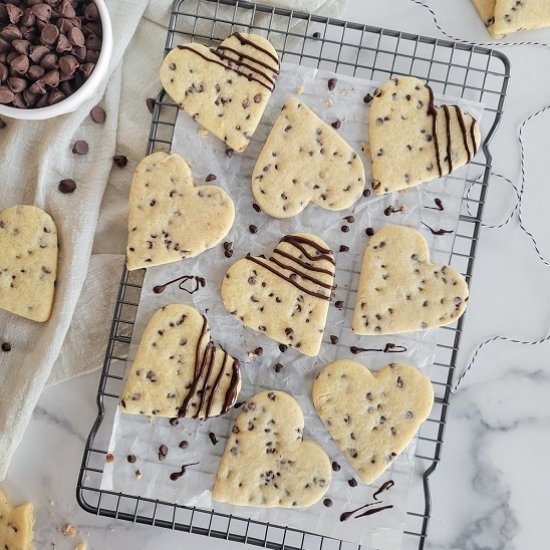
[{"x": 34, "y": 157}]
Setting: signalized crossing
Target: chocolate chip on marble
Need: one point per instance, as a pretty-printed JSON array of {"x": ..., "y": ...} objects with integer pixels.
[
  {"x": 80, "y": 147},
  {"x": 67, "y": 186}
]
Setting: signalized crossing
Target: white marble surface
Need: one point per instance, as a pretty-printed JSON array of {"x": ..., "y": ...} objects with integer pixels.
[{"x": 491, "y": 490}]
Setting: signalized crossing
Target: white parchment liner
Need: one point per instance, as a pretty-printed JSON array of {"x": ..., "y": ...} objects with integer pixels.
[{"x": 142, "y": 438}]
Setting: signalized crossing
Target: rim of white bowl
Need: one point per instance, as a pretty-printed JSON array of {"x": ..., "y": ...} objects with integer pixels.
[{"x": 72, "y": 102}]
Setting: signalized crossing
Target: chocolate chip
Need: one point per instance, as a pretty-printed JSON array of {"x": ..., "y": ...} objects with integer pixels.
[
  {"x": 6, "y": 346},
  {"x": 352, "y": 482},
  {"x": 210, "y": 177},
  {"x": 332, "y": 83},
  {"x": 344, "y": 248},
  {"x": 333, "y": 339},
  {"x": 229, "y": 152},
  {"x": 339, "y": 304},
  {"x": 80, "y": 147},
  {"x": 367, "y": 98},
  {"x": 67, "y": 186},
  {"x": 278, "y": 367},
  {"x": 316, "y": 35},
  {"x": 259, "y": 351},
  {"x": 213, "y": 438},
  {"x": 335, "y": 467},
  {"x": 162, "y": 452},
  {"x": 344, "y": 229},
  {"x": 253, "y": 229},
  {"x": 369, "y": 231},
  {"x": 131, "y": 459},
  {"x": 336, "y": 124},
  {"x": 150, "y": 102},
  {"x": 120, "y": 160},
  {"x": 283, "y": 347},
  {"x": 183, "y": 444},
  {"x": 256, "y": 207},
  {"x": 98, "y": 114},
  {"x": 327, "y": 502}
]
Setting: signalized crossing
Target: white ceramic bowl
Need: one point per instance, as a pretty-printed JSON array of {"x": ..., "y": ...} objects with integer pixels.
[{"x": 72, "y": 102}]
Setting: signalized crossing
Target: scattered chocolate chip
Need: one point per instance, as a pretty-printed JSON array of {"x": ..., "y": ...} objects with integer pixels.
[
  {"x": 67, "y": 186},
  {"x": 331, "y": 83},
  {"x": 183, "y": 444},
  {"x": 333, "y": 339},
  {"x": 132, "y": 459},
  {"x": 150, "y": 102},
  {"x": 80, "y": 147},
  {"x": 369, "y": 231},
  {"x": 367, "y": 98},
  {"x": 173, "y": 421},
  {"x": 6, "y": 346},
  {"x": 343, "y": 248},
  {"x": 352, "y": 482},
  {"x": 210, "y": 177},
  {"x": 98, "y": 114},
  {"x": 316, "y": 35},
  {"x": 259, "y": 351},
  {"x": 256, "y": 207},
  {"x": 162, "y": 452},
  {"x": 339, "y": 304},
  {"x": 229, "y": 152},
  {"x": 335, "y": 467},
  {"x": 344, "y": 229},
  {"x": 213, "y": 438},
  {"x": 278, "y": 367},
  {"x": 366, "y": 192},
  {"x": 120, "y": 160},
  {"x": 336, "y": 124},
  {"x": 253, "y": 229},
  {"x": 327, "y": 502}
]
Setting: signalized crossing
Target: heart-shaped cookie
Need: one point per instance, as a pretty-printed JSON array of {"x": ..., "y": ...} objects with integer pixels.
[
  {"x": 266, "y": 462},
  {"x": 372, "y": 417},
  {"x": 286, "y": 296},
  {"x": 178, "y": 371},
  {"x": 16, "y": 524},
  {"x": 411, "y": 140},
  {"x": 400, "y": 290},
  {"x": 224, "y": 88},
  {"x": 28, "y": 262},
  {"x": 169, "y": 218},
  {"x": 305, "y": 160}
]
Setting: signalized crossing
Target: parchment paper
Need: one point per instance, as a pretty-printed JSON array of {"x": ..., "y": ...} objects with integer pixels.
[{"x": 206, "y": 155}]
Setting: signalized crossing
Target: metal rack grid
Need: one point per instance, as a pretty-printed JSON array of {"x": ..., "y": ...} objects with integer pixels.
[{"x": 451, "y": 68}]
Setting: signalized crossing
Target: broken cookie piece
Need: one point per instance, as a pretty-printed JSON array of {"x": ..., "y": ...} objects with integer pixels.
[
  {"x": 411, "y": 140},
  {"x": 225, "y": 88},
  {"x": 16, "y": 524},
  {"x": 372, "y": 416},
  {"x": 266, "y": 462},
  {"x": 28, "y": 262},
  {"x": 169, "y": 217},
  {"x": 305, "y": 160},
  {"x": 178, "y": 371},
  {"x": 286, "y": 296},
  {"x": 400, "y": 290}
]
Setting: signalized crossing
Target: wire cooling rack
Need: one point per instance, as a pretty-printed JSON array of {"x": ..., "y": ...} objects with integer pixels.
[{"x": 455, "y": 69}]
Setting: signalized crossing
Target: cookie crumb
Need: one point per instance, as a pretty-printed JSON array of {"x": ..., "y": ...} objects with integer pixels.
[
  {"x": 81, "y": 546},
  {"x": 109, "y": 458},
  {"x": 203, "y": 133},
  {"x": 69, "y": 530},
  {"x": 299, "y": 90},
  {"x": 138, "y": 474}
]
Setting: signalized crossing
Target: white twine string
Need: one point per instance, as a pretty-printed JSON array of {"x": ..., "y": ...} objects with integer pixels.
[{"x": 519, "y": 192}]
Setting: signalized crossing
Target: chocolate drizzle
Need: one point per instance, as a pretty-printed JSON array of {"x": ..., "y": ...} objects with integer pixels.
[
  {"x": 448, "y": 129},
  {"x": 367, "y": 507},
  {"x": 384, "y": 487},
  {"x": 433, "y": 113},
  {"x": 199, "y": 283},
  {"x": 296, "y": 240},
  {"x": 245, "y": 42},
  {"x": 388, "y": 348},
  {"x": 250, "y": 57},
  {"x": 437, "y": 231},
  {"x": 464, "y": 133},
  {"x": 176, "y": 475},
  {"x": 209, "y": 358}
]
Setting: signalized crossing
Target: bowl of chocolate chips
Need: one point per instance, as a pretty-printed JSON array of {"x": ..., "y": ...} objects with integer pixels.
[{"x": 54, "y": 54}]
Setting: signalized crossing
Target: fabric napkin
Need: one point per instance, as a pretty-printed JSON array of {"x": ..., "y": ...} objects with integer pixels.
[{"x": 34, "y": 157}]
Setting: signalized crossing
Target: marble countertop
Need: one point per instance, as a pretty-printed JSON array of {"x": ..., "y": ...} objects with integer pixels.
[{"x": 490, "y": 490}]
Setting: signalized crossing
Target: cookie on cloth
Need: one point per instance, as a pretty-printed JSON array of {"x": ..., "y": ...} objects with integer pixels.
[
  {"x": 16, "y": 524},
  {"x": 400, "y": 290},
  {"x": 266, "y": 462},
  {"x": 28, "y": 262},
  {"x": 178, "y": 371},
  {"x": 413, "y": 141},
  {"x": 169, "y": 217},
  {"x": 305, "y": 160},
  {"x": 501, "y": 17},
  {"x": 224, "y": 88},
  {"x": 286, "y": 296},
  {"x": 372, "y": 416}
]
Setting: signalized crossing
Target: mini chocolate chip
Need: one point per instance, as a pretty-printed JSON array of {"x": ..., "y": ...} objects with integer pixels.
[
  {"x": 344, "y": 229},
  {"x": 150, "y": 102},
  {"x": 120, "y": 160},
  {"x": 283, "y": 347},
  {"x": 210, "y": 177},
  {"x": 256, "y": 207},
  {"x": 80, "y": 147},
  {"x": 369, "y": 231},
  {"x": 332, "y": 83},
  {"x": 213, "y": 438},
  {"x": 344, "y": 248},
  {"x": 335, "y": 467},
  {"x": 327, "y": 502},
  {"x": 316, "y": 35},
  {"x": 67, "y": 186},
  {"x": 352, "y": 482},
  {"x": 253, "y": 229},
  {"x": 132, "y": 459},
  {"x": 6, "y": 346},
  {"x": 162, "y": 452},
  {"x": 278, "y": 367},
  {"x": 259, "y": 351},
  {"x": 339, "y": 304},
  {"x": 367, "y": 98},
  {"x": 333, "y": 339},
  {"x": 336, "y": 124},
  {"x": 98, "y": 114},
  {"x": 183, "y": 444},
  {"x": 229, "y": 152}
]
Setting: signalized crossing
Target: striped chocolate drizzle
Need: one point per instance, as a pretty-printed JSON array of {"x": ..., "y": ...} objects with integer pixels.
[
  {"x": 295, "y": 273},
  {"x": 209, "y": 358}
]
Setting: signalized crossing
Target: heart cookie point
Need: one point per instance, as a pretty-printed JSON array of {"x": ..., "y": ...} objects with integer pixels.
[
  {"x": 400, "y": 290},
  {"x": 224, "y": 88},
  {"x": 16, "y": 524},
  {"x": 305, "y": 160},
  {"x": 28, "y": 263},
  {"x": 372, "y": 416},
  {"x": 169, "y": 218},
  {"x": 178, "y": 372},
  {"x": 412, "y": 141},
  {"x": 266, "y": 462},
  {"x": 286, "y": 296}
]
